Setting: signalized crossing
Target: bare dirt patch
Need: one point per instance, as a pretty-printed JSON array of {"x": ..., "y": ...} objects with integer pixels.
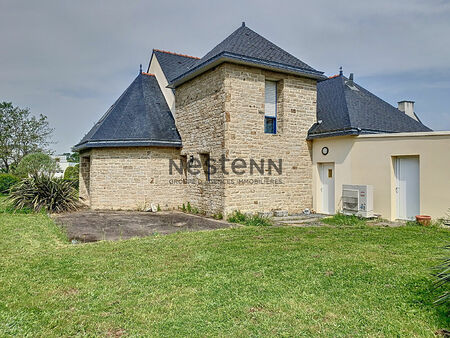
[{"x": 94, "y": 225}]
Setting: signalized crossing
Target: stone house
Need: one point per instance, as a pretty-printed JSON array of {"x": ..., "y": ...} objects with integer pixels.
[{"x": 233, "y": 130}]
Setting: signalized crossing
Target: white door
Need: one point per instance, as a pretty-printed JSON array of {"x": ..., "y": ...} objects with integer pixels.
[
  {"x": 327, "y": 188},
  {"x": 408, "y": 187}
]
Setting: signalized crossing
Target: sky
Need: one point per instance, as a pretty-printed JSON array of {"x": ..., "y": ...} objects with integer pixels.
[{"x": 70, "y": 60}]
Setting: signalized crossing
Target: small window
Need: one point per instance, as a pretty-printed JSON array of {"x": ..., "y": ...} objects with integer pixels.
[
  {"x": 270, "y": 103},
  {"x": 270, "y": 125},
  {"x": 184, "y": 165},
  {"x": 206, "y": 163},
  {"x": 330, "y": 173}
]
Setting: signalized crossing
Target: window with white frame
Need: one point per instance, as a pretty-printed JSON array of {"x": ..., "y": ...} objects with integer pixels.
[{"x": 270, "y": 114}]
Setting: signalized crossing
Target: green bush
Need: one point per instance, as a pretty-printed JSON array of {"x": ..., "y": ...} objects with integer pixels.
[
  {"x": 72, "y": 173},
  {"x": 341, "y": 219},
  {"x": 6, "y": 182},
  {"x": 42, "y": 192},
  {"x": 36, "y": 164},
  {"x": 253, "y": 220}
]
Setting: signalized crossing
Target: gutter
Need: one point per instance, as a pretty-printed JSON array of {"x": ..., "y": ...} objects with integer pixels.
[
  {"x": 361, "y": 133},
  {"x": 126, "y": 143},
  {"x": 408, "y": 134},
  {"x": 341, "y": 132}
]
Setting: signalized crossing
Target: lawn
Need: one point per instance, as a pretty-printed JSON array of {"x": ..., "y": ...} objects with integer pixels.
[{"x": 333, "y": 281}]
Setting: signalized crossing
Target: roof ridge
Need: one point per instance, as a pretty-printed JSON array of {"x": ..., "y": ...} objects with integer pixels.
[
  {"x": 334, "y": 76},
  {"x": 149, "y": 74},
  {"x": 173, "y": 53}
]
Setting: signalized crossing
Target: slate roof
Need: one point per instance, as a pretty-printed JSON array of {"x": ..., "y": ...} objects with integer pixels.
[
  {"x": 246, "y": 46},
  {"x": 140, "y": 117},
  {"x": 345, "y": 108},
  {"x": 173, "y": 64}
]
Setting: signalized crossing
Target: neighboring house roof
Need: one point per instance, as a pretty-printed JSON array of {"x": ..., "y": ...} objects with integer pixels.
[
  {"x": 345, "y": 108},
  {"x": 140, "y": 117},
  {"x": 173, "y": 64},
  {"x": 248, "y": 47}
]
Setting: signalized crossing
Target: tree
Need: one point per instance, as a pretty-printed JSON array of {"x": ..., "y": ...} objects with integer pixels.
[
  {"x": 72, "y": 157},
  {"x": 36, "y": 164},
  {"x": 21, "y": 134}
]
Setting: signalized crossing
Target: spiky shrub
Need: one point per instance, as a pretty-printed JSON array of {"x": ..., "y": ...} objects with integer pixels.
[
  {"x": 443, "y": 278},
  {"x": 42, "y": 192}
]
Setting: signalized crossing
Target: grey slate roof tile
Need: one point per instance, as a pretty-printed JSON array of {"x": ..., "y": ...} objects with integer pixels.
[
  {"x": 353, "y": 110},
  {"x": 173, "y": 64},
  {"x": 246, "y": 45},
  {"x": 140, "y": 116}
]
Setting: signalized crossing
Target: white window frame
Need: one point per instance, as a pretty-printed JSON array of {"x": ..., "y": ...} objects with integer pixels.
[{"x": 271, "y": 114}]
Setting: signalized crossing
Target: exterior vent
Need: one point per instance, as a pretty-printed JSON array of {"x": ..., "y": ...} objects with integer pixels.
[{"x": 357, "y": 200}]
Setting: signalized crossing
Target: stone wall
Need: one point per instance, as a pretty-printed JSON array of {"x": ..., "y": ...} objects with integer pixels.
[
  {"x": 130, "y": 178},
  {"x": 221, "y": 113},
  {"x": 200, "y": 121},
  {"x": 245, "y": 138},
  {"x": 84, "y": 185}
]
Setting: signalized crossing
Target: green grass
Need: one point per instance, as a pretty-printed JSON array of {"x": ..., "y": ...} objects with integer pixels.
[
  {"x": 434, "y": 223},
  {"x": 246, "y": 281},
  {"x": 252, "y": 220},
  {"x": 341, "y": 219}
]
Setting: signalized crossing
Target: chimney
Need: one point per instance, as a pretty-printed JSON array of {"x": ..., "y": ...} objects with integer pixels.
[
  {"x": 408, "y": 108},
  {"x": 350, "y": 84},
  {"x": 350, "y": 80}
]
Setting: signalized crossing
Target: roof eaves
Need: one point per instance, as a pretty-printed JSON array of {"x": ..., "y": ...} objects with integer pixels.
[
  {"x": 345, "y": 131},
  {"x": 126, "y": 143},
  {"x": 227, "y": 56},
  {"x": 333, "y": 133}
]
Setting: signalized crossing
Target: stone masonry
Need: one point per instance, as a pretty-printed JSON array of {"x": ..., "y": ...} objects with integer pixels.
[
  {"x": 221, "y": 112},
  {"x": 130, "y": 178},
  {"x": 200, "y": 120},
  {"x": 245, "y": 138}
]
